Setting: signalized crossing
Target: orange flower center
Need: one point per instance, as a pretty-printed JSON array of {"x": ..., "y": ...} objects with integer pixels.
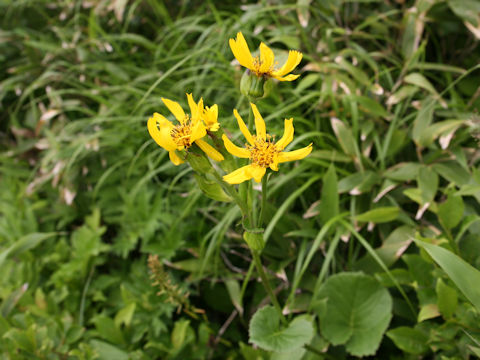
[
  {"x": 263, "y": 152},
  {"x": 257, "y": 65},
  {"x": 181, "y": 134}
]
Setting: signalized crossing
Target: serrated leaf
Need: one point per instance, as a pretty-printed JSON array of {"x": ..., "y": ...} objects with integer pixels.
[
  {"x": 358, "y": 311},
  {"x": 268, "y": 333}
]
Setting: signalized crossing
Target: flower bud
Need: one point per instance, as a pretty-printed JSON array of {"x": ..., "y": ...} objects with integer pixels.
[
  {"x": 254, "y": 239},
  {"x": 254, "y": 87},
  {"x": 198, "y": 161},
  {"x": 211, "y": 189}
]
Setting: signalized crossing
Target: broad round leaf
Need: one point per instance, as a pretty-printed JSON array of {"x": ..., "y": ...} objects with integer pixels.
[
  {"x": 267, "y": 332},
  {"x": 357, "y": 313}
]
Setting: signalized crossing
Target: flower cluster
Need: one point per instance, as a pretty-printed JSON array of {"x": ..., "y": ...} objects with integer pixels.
[
  {"x": 261, "y": 149},
  {"x": 190, "y": 129}
]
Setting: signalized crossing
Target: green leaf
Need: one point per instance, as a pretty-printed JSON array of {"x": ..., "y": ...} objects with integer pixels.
[
  {"x": 453, "y": 172},
  {"x": 108, "y": 351},
  {"x": 211, "y": 189},
  {"x": 427, "y": 183},
  {"x": 409, "y": 340},
  {"x": 23, "y": 244},
  {"x": 371, "y": 106},
  {"x": 428, "y": 311},
  {"x": 329, "y": 201},
  {"x": 464, "y": 276},
  {"x": 125, "y": 315},
  {"x": 108, "y": 330},
  {"x": 438, "y": 129},
  {"x": 450, "y": 212},
  {"x": 180, "y": 331},
  {"x": 422, "y": 120},
  {"x": 392, "y": 248},
  {"x": 379, "y": 215},
  {"x": 447, "y": 299},
  {"x": 358, "y": 183},
  {"x": 403, "y": 171},
  {"x": 419, "y": 80},
  {"x": 235, "y": 294},
  {"x": 267, "y": 333},
  {"x": 344, "y": 136},
  {"x": 401, "y": 94},
  {"x": 467, "y": 10},
  {"x": 358, "y": 311}
]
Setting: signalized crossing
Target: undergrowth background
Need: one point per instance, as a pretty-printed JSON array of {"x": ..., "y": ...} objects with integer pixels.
[{"x": 388, "y": 94}]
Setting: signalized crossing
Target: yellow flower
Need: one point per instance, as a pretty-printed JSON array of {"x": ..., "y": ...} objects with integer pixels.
[
  {"x": 264, "y": 64},
  {"x": 262, "y": 150},
  {"x": 191, "y": 128}
]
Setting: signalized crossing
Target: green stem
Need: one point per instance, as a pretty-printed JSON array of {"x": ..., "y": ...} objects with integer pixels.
[
  {"x": 250, "y": 115},
  {"x": 245, "y": 188},
  {"x": 233, "y": 193},
  {"x": 264, "y": 200},
  {"x": 266, "y": 284}
]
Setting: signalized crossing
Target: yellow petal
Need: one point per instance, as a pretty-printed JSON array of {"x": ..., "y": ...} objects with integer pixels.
[
  {"x": 274, "y": 165},
  {"x": 259, "y": 123},
  {"x": 290, "y": 77},
  {"x": 200, "y": 108},
  {"x": 213, "y": 127},
  {"x": 174, "y": 158},
  {"x": 238, "y": 176},
  {"x": 198, "y": 131},
  {"x": 209, "y": 150},
  {"x": 193, "y": 107},
  {"x": 287, "y": 135},
  {"x": 241, "y": 51},
  {"x": 294, "y": 155},
  {"x": 234, "y": 149},
  {"x": 211, "y": 118},
  {"x": 161, "y": 136},
  {"x": 175, "y": 108},
  {"x": 294, "y": 58},
  {"x": 266, "y": 58},
  {"x": 256, "y": 172},
  {"x": 243, "y": 127}
]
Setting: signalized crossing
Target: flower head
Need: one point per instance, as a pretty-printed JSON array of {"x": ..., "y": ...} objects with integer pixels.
[
  {"x": 189, "y": 130},
  {"x": 263, "y": 65},
  {"x": 261, "y": 149}
]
